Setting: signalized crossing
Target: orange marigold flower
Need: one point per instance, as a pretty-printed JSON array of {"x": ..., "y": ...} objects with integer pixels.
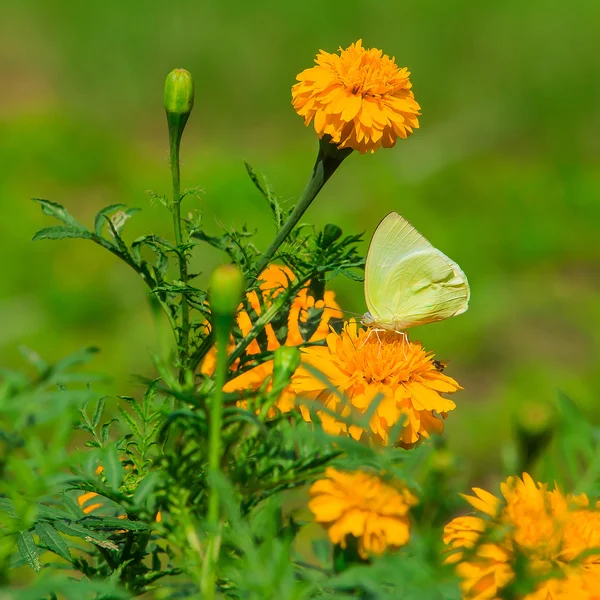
[
  {"x": 363, "y": 366},
  {"x": 360, "y": 98},
  {"x": 362, "y": 505},
  {"x": 274, "y": 280},
  {"x": 553, "y": 532}
]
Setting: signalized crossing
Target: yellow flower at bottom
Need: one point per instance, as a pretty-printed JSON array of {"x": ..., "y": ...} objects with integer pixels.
[
  {"x": 364, "y": 365},
  {"x": 551, "y": 531},
  {"x": 362, "y": 505},
  {"x": 360, "y": 98}
]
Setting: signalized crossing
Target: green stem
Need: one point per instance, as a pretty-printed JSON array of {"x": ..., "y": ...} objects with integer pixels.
[
  {"x": 222, "y": 326},
  {"x": 328, "y": 160},
  {"x": 174, "y": 141}
]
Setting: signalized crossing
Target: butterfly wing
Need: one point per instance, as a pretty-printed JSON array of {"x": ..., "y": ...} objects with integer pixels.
[{"x": 408, "y": 281}]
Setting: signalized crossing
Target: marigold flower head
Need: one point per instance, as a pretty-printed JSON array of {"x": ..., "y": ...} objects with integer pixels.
[
  {"x": 553, "y": 532},
  {"x": 360, "y": 504},
  {"x": 363, "y": 366},
  {"x": 359, "y": 97},
  {"x": 274, "y": 280}
]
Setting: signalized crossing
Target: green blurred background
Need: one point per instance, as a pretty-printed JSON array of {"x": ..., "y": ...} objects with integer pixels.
[{"x": 503, "y": 175}]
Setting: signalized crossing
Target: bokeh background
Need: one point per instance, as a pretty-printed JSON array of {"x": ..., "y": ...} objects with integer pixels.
[{"x": 503, "y": 175}]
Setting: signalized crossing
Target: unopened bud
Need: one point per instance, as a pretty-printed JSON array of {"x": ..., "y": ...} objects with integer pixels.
[
  {"x": 330, "y": 234},
  {"x": 179, "y": 101},
  {"x": 179, "y": 92},
  {"x": 226, "y": 288},
  {"x": 286, "y": 360},
  {"x": 535, "y": 422}
]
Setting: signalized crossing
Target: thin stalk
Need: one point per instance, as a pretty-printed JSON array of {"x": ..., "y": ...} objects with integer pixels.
[
  {"x": 183, "y": 273},
  {"x": 222, "y": 326},
  {"x": 328, "y": 160}
]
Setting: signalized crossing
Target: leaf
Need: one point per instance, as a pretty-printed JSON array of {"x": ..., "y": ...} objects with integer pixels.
[
  {"x": 77, "y": 358},
  {"x": 6, "y": 506},
  {"x": 54, "y": 209},
  {"x": 29, "y": 550},
  {"x": 145, "y": 488},
  {"x": 98, "y": 412},
  {"x": 264, "y": 188},
  {"x": 113, "y": 469},
  {"x": 105, "y": 430},
  {"x": 114, "y": 523},
  {"x": 130, "y": 421},
  {"x": 52, "y": 539},
  {"x": 59, "y": 232},
  {"x": 99, "y": 220},
  {"x": 88, "y": 535}
]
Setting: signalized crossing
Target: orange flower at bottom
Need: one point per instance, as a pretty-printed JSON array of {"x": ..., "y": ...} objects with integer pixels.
[
  {"x": 364, "y": 365},
  {"x": 362, "y": 505},
  {"x": 557, "y": 536}
]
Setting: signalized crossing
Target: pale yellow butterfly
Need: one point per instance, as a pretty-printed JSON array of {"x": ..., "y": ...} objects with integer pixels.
[{"x": 408, "y": 281}]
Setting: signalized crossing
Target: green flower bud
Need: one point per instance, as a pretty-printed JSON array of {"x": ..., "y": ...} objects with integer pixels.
[
  {"x": 226, "y": 288},
  {"x": 535, "y": 423},
  {"x": 286, "y": 360},
  {"x": 330, "y": 234},
  {"x": 179, "y": 92},
  {"x": 179, "y": 100}
]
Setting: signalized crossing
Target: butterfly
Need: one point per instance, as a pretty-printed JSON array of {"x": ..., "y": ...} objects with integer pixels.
[{"x": 408, "y": 281}]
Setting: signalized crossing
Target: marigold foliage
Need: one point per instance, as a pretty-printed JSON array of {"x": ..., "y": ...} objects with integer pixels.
[
  {"x": 359, "y": 97},
  {"x": 360, "y": 504},
  {"x": 556, "y": 535}
]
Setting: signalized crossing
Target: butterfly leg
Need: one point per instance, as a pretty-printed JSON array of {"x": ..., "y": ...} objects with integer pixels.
[{"x": 404, "y": 335}]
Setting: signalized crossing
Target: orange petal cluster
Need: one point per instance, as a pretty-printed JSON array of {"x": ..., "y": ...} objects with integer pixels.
[
  {"x": 362, "y": 505},
  {"x": 274, "y": 280},
  {"x": 557, "y": 535},
  {"x": 359, "y": 97},
  {"x": 365, "y": 367}
]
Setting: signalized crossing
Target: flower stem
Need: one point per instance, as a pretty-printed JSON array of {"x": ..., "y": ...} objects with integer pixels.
[
  {"x": 222, "y": 326},
  {"x": 174, "y": 141},
  {"x": 328, "y": 160}
]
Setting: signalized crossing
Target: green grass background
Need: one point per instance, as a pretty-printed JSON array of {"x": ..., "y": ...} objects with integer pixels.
[{"x": 503, "y": 175}]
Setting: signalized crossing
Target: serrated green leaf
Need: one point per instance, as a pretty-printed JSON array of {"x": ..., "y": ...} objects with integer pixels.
[
  {"x": 59, "y": 232},
  {"x": 114, "y": 523},
  {"x": 105, "y": 431},
  {"x": 98, "y": 412},
  {"x": 75, "y": 530},
  {"x": 49, "y": 536},
  {"x": 134, "y": 405},
  {"x": 113, "y": 469},
  {"x": 100, "y": 219},
  {"x": 29, "y": 550},
  {"x": 54, "y": 209},
  {"x": 132, "y": 424}
]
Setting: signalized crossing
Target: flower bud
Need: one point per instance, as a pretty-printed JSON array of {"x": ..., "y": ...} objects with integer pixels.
[
  {"x": 535, "y": 423},
  {"x": 226, "y": 288},
  {"x": 179, "y": 100},
  {"x": 330, "y": 234},
  {"x": 179, "y": 92},
  {"x": 286, "y": 360}
]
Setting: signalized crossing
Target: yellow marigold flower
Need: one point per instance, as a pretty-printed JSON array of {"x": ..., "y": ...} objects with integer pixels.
[
  {"x": 363, "y": 365},
  {"x": 360, "y": 98},
  {"x": 553, "y": 532},
  {"x": 274, "y": 280},
  {"x": 362, "y": 505}
]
